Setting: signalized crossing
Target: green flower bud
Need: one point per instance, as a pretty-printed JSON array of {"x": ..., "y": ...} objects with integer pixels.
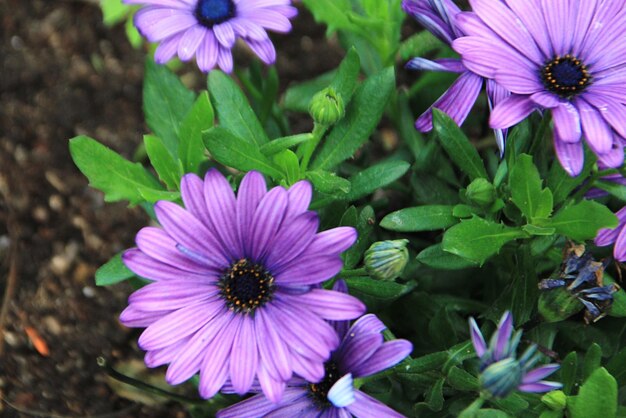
[
  {"x": 326, "y": 107},
  {"x": 385, "y": 260},
  {"x": 481, "y": 192},
  {"x": 555, "y": 400},
  {"x": 502, "y": 377}
]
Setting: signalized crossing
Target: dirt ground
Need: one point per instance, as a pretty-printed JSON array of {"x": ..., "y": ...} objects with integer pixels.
[{"x": 63, "y": 73}]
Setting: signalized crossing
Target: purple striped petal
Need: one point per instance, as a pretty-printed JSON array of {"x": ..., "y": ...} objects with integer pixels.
[
  {"x": 266, "y": 222},
  {"x": 221, "y": 203},
  {"x": 480, "y": 346},
  {"x": 215, "y": 366},
  {"x": 451, "y": 65},
  {"x": 365, "y": 406},
  {"x": 259, "y": 405},
  {"x": 156, "y": 358},
  {"x": 250, "y": 194},
  {"x": 539, "y": 387},
  {"x": 273, "y": 350},
  {"x": 329, "y": 304},
  {"x": 388, "y": 355},
  {"x": 619, "y": 250},
  {"x": 503, "y": 335},
  {"x": 539, "y": 373},
  {"x": 300, "y": 195},
  {"x": 334, "y": 241},
  {"x": 511, "y": 111},
  {"x": 292, "y": 239},
  {"x": 571, "y": 156},
  {"x": 567, "y": 122},
  {"x": 244, "y": 357}
]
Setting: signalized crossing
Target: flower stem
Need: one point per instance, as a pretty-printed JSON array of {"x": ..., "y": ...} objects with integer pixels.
[{"x": 309, "y": 147}]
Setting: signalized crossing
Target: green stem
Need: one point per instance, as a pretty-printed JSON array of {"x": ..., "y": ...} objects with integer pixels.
[
  {"x": 470, "y": 411},
  {"x": 309, "y": 147},
  {"x": 591, "y": 182}
]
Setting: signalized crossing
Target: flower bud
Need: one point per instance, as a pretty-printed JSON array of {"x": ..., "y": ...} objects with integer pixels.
[
  {"x": 502, "y": 377},
  {"x": 385, "y": 260},
  {"x": 481, "y": 192},
  {"x": 326, "y": 107},
  {"x": 555, "y": 400}
]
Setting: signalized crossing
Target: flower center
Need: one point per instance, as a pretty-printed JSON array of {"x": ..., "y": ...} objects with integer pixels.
[
  {"x": 318, "y": 392},
  {"x": 213, "y": 12},
  {"x": 565, "y": 76},
  {"x": 246, "y": 286}
]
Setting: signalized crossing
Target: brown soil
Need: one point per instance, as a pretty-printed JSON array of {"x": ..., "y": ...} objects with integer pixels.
[{"x": 62, "y": 73}]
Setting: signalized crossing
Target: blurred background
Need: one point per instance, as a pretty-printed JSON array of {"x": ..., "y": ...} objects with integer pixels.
[{"x": 64, "y": 73}]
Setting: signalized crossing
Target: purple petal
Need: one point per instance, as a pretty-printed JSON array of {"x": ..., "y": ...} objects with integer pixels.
[
  {"x": 597, "y": 132},
  {"x": 308, "y": 270},
  {"x": 477, "y": 338},
  {"x": 269, "y": 19},
  {"x": 614, "y": 158},
  {"x": 176, "y": 326},
  {"x": 267, "y": 219},
  {"x": 357, "y": 350},
  {"x": 503, "y": 335},
  {"x": 518, "y": 82},
  {"x": 215, "y": 366},
  {"x": 292, "y": 239},
  {"x": 330, "y": 304},
  {"x": 367, "y": 407},
  {"x": 156, "y": 358},
  {"x": 264, "y": 50},
  {"x": 619, "y": 250},
  {"x": 220, "y": 202},
  {"x": 452, "y": 65},
  {"x": 311, "y": 370},
  {"x": 545, "y": 99},
  {"x": 302, "y": 408},
  {"x": 134, "y": 318},
  {"x": 251, "y": 191},
  {"x": 167, "y": 48},
  {"x": 190, "y": 41},
  {"x": 539, "y": 387},
  {"x": 571, "y": 156},
  {"x": 539, "y": 373},
  {"x": 149, "y": 268},
  {"x": 225, "y": 59},
  {"x": 333, "y": 242},
  {"x": 567, "y": 122},
  {"x": 456, "y": 102},
  {"x": 172, "y": 294},
  {"x": 156, "y": 23},
  {"x": 224, "y": 34},
  {"x": 206, "y": 56},
  {"x": 273, "y": 350},
  {"x": 259, "y": 405},
  {"x": 192, "y": 193},
  {"x": 511, "y": 111},
  {"x": 272, "y": 388},
  {"x": 300, "y": 195},
  {"x": 341, "y": 394},
  {"x": 244, "y": 357},
  {"x": 388, "y": 355}
]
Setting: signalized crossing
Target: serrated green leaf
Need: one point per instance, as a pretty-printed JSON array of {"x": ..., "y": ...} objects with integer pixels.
[
  {"x": 328, "y": 183},
  {"x": 152, "y": 196},
  {"x": 420, "y": 218},
  {"x": 362, "y": 116},
  {"x": 113, "y": 271},
  {"x": 233, "y": 110},
  {"x": 331, "y": 12},
  {"x": 365, "y": 227},
  {"x": 372, "y": 178},
  {"x": 582, "y": 220},
  {"x": 233, "y": 151},
  {"x": 191, "y": 150},
  {"x": 116, "y": 177},
  {"x": 345, "y": 80},
  {"x": 458, "y": 147},
  {"x": 526, "y": 189},
  {"x": 597, "y": 397},
  {"x": 168, "y": 168},
  {"x": 538, "y": 230},
  {"x": 166, "y": 102},
  {"x": 477, "y": 239}
]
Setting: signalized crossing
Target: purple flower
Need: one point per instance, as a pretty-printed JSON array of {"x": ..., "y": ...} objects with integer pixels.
[
  {"x": 362, "y": 353},
  {"x": 208, "y": 29},
  {"x": 235, "y": 292},
  {"x": 500, "y": 371},
  {"x": 556, "y": 55},
  {"x": 616, "y": 236},
  {"x": 438, "y": 16}
]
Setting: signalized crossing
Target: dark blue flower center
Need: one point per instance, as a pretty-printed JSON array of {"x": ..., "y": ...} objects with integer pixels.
[
  {"x": 565, "y": 76},
  {"x": 246, "y": 286},
  {"x": 213, "y": 12},
  {"x": 318, "y": 392}
]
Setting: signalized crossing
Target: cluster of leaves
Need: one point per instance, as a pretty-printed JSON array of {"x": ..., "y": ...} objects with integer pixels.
[{"x": 482, "y": 230}]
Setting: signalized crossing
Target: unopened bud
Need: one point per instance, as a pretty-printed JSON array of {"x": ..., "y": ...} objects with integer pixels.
[
  {"x": 326, "y": 107},
  {"x": 481, "y": 192},
  {"x": 555, "y": 400},
  {"x": 385, "y": 260},
  {"x": 502, "y": 377}
]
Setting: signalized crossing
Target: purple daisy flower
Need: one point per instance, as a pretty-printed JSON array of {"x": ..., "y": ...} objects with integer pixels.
[
  {"x": 616, "y": 236},
  {"x": 438, "y": 16},
  {"x": 235, "y": 292},
  {"x": 555, "y": 55},
  {"x": 362, "y": 353},
  {"x": 500, "y": 371},
  {"x": 208, "y": 29}
]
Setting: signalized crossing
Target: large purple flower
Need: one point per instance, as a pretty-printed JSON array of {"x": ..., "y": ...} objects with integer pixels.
[
  {"x": 562, "y": 55},
  {"x": 438, "y": 16},
  {"x": 362, "y": 353},
  {"x": 235, "y": 292},
  {"x": 500, "y": 371},
  {"x": 208, "y": 29}
]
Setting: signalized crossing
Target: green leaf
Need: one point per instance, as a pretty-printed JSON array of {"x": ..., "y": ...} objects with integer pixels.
[
  {"x": 435, "y": 257},
  {"x": 345, "y": 80},
  {"x": 369, "y": 180},
  {"x": 538, "y": 230},
  {"x": 109, "y": 172},
  {"x": 597, "y": 397},
  {"x": 568, "y": 372},
  {"x": 526, "y": 189},
  {"x": 491, "y": 413},
  {"x": 593, "y": 360},
  {"x": 331, "y": 12},
  {"x": 166, "y": 102},
  {"x": 233, "y": 110},
  {"x": 420, "y": 218},
  {"x": 113, "y": 271},
  {"x": 365, "y": 227},
  {"x": 461, "y": 380},
  {"x": 614, "y": 189},
  {"x": 562, "y": 184},
  {"x": 375, "y": 293},
  {"x": 458, "y": 147},
  {"x": 191, "y": 149},
  {"x": 582, "y": 220},
  {"x": 288, "y": 161},
  {"x": 617, "y": 366},
  {"x": 233, "y": 151},
  {"x": 280, "y": 144},
  {"x": 329, "y": 183},
  {"x": 477, "y": 239},
  {"x": 113, "y": 11},
  {"x": 434, "y": 398},
  {"x": 618, "y": 308},
  {"x": 168, "y": 168},
  {"x": 362, "y": 116},
  {"x": 419, "y": 45}
]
